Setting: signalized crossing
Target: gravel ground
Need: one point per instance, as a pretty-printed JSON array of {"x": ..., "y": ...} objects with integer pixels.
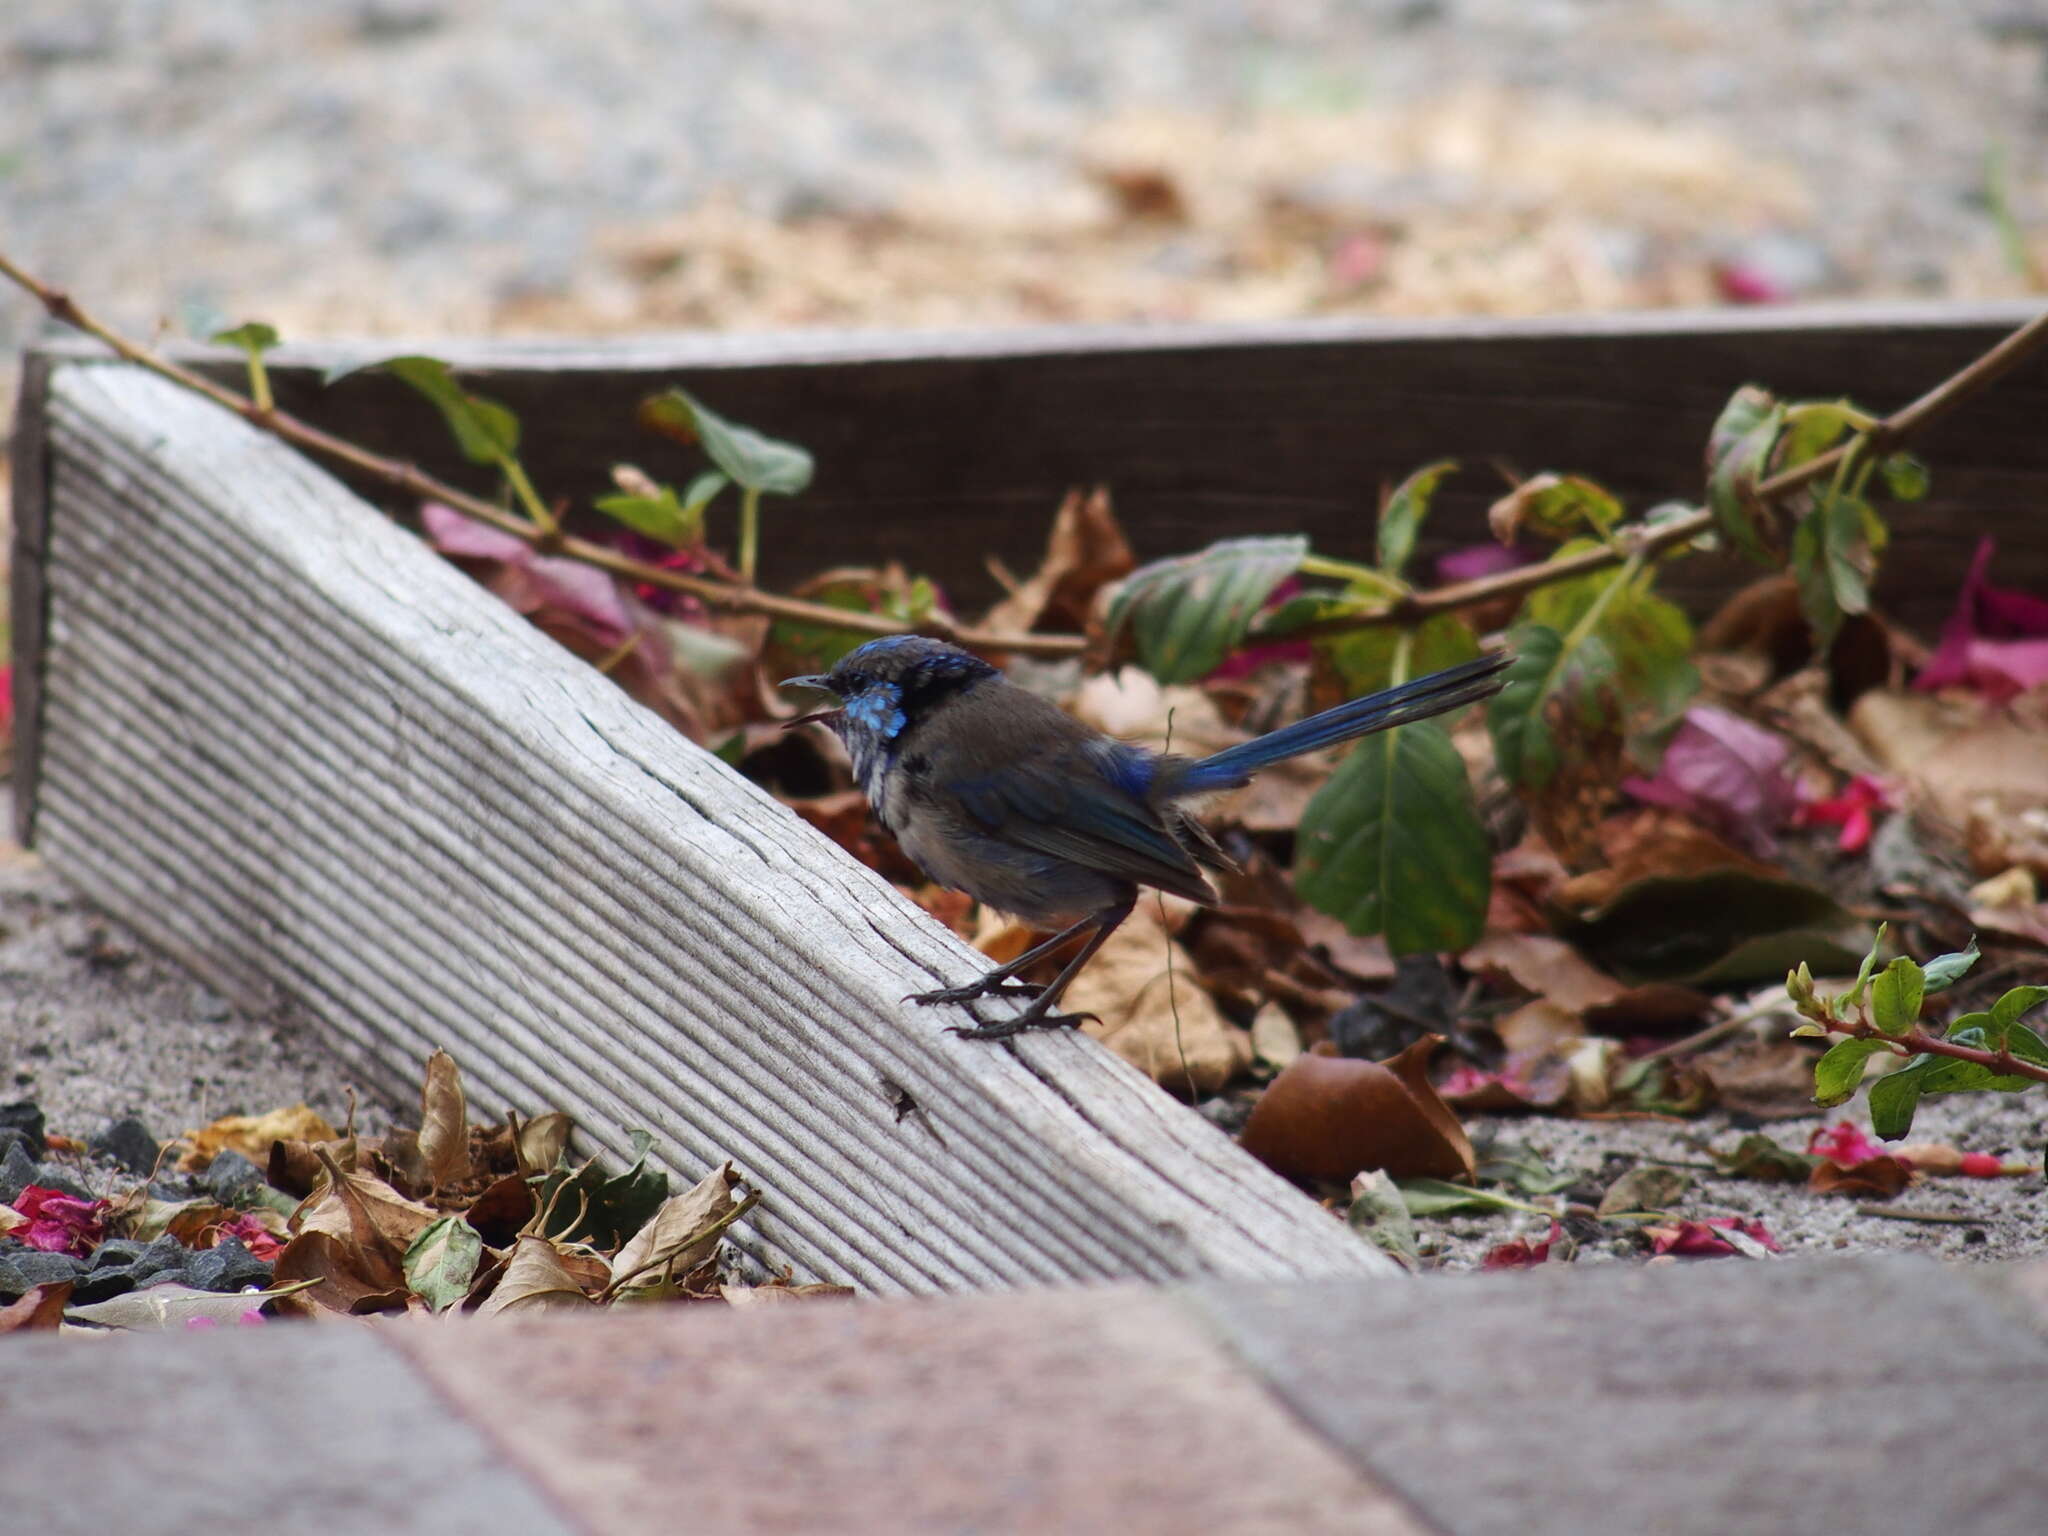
[
  {"x": 365, "y": 165},
  {"x": 355, "y": 166}
]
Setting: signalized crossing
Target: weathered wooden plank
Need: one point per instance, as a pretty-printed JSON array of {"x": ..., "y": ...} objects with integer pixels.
[
  {"x": 943, "y": 448},
  {"x": 326, "y": 770}
]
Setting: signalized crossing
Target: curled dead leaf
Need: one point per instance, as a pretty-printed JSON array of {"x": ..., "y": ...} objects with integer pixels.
[
  {"x": 444, "y": 1124},
  {"x": 536, "y": 1279},
  {"x": 541, "y": 1141},
  {"x": 345, "y": 1277},
  {"x": 39, "y": 1309},
  {"x": 682, "y": 1233},
  {"x": 1332, "y": 1117},
  {"x": 1875, "y": 1178}
]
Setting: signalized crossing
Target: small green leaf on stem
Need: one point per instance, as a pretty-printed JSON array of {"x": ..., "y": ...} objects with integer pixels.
[
  {"x": 1812, "y": 427},
  {"x": 1944, "y": 971},
  {"x": 485, "y": 431},
  {"x": 1854, "y": 996},
  {"x": 1405, "y": 508},
  {"x": 1554, "y": 507},
  {"x": 2006, "y": 1012},
  {"x": 754, "y": 460},
  {"x": 1187, "y": 613},
  {"x": 253, "y": 338},
  {"x": 1905, "y": 476},
  {"x": 1840, "y": 1069},
  {"x": 1895, "y": 996},
  {"x": 1738, "y": 449}
]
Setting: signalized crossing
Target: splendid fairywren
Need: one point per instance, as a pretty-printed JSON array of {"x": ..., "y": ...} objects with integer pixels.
[{"x": 999, "y": 793}]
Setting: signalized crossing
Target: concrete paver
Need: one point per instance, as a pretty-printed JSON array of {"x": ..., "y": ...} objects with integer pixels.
[
  {"x": 1720, "y": 1397},
  {"x": 1096, "y": 1410},
  {"x": 282, "y": 1428}
]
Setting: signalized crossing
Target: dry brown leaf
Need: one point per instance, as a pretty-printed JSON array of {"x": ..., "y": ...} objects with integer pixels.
[
  {"x": 541, "y": 1141},
  {"x": 501, "y": 1210},
  {"x": 1333, "y": 1117},
  {"x": 1875, "y": 1178},
  {"x": 251, "y": 1135},
  {"x": 1548, "y": 967},
  {"x": 776, "y": 1295},
  {"x": 294, "y": 1165},
  {"x": 444, "y": 1124},
  {"x": 348, "y": 1279},
  {"x": 1642, "y": 845},
  {"x": 1538, "y": 1025},
  {"x": 1141, "y": 986},
  {"x": 39, "y": 1309},
  {"x": 681, "y": 1234},
  {"x": 1085, "y": 551},
  {"x": 1275, "y": 1040},
  {"x": 362, "y": 1211},
  {"x": 535, "y": 1280}
]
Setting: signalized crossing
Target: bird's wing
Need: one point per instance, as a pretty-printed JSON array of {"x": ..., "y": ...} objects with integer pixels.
[
  {"x": 1054, "y": 809},
  {"x": 1025, "y": 771}
]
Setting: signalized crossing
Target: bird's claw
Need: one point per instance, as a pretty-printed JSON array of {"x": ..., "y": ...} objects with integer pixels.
[
  {"x": 974, "y": 991},
  {"x": 1003, "y": 1029}
]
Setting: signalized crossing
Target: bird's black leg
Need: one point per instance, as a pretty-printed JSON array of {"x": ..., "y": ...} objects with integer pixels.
[
  {"x": 992, "y": 985},
  {"x": 1039, "y": 1014}
]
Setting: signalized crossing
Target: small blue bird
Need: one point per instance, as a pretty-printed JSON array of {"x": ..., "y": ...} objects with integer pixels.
[{"x": 999, "y": 793}]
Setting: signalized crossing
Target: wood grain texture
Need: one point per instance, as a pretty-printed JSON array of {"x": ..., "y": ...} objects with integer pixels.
[
  {"x": 940, "y": 449},
  {"x": 330, "y": 773},
  {"x": 28, "y": 505}
]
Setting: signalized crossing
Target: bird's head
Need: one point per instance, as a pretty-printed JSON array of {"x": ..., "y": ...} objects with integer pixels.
[{"x": 883, "y": 685}]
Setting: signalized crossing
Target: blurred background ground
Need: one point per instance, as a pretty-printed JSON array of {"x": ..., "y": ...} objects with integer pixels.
[{"x": 423, "y": 166}]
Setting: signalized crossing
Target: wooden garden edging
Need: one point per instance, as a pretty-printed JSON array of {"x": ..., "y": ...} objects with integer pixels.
[
  {"x": 270, "y": 730},
  {"x": 329, "y": 772}
]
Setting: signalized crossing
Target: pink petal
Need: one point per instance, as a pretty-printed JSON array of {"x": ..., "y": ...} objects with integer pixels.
[{"x": 467, "y": 539}]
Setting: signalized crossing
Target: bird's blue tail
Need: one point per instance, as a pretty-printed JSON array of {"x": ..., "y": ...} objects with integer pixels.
[{"x": 1449, "y": 689}]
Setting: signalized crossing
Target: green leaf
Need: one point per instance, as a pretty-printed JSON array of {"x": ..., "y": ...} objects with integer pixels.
[
  {"x": 1904, "y": 476},
  {"x": 1840, "y": 1069},
  {"x": 665, "y": 518},
  {"x": 758, "y": 462},
  {"x": 1757, "y": 1156},
  {"x": 660, "y": 517},
  {"x": 1895, "y": 996},
  {"x": 1834, "y": 553},
  {"x": 1364, "y": 658},
  {"x": 1437, "y": 1197},
  {"x": 1516, "y": 1167},
  {"x": 1404, "y": 512},
  {"x": 1812, "y": 427},
  {"x": 1393, "y": 844},
  {"x": 1945, "y": 971},
  {"x": 485, "y": 431},
  {"x": 1738, "y": 449},
  {"x": 251, "y": 336},
  {"x": 1554, "y": 507},
  {"x": 1649, "y": 638},
  {"x": 1187, "y": 613},
  {"x": 1721, "y": 926},
  {"x": 1854, "y": 995},
  {"x": 441, "y": 1262},
  {"x": 587, "y": 1206},
  {"x": 2005, "y": 1013},
  {"x": 1548, "y": 685},
  {"x": 1895, "y": 1097},
  {"x": 1380, "y": 1215}
]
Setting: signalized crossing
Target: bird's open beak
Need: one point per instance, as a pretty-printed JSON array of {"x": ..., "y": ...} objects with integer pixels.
[{"x": 821, "y": 716}]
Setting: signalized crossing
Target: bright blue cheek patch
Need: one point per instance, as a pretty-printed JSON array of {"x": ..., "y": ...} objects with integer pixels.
[{"x": 878, "y": 712}]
